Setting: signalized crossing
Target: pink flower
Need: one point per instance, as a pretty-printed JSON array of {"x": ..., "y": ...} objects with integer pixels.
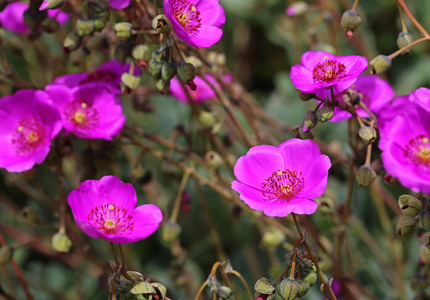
[
  {"x": 284, "y": 179},
  {"x": 395, "y": 107},
  {"x": 29, "y": 123},
  {"x": 109, "y": 74},
  {"x": 196, "y": 22},
  {"x": 89, "y": 111},
  {"x": 375, "y": 94},
  {"x": 321, "y": 70},
  {"x": 106, "y": 209},
  {"x": 119, "y": 4},
  {"x": 421, "y": 97},
  {"x": 202, "y": 93},
  {"x": 12, "y": 17}
]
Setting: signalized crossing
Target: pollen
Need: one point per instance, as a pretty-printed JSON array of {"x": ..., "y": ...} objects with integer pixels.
[
  {"x": 28, "y": 135},
  {"x": 187, "y": 15},
  {"x": 418, "y": 150},
  {"x": 20, "y": 129},
  {"x": 111, "y": 219},
  {"x": 111, "y": 207},
  {"x": 283, "y": 185},
  {"x": 81, "y": 114},
  {"x": 83, "y": 105},
  {"x": 328, "y": 71}
]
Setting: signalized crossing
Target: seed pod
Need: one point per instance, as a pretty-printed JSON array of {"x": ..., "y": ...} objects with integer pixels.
[
  {"x": 214, "y": 160},
  {"x": 405, "y": 226},
  {"x": 123, "y": 30},
  {"x": 325, "y": 112},
  {"x": 310, "y": 120},
  {"x": 410, "y": 205},
  {"x": 304, "y": 287},
  {"x": 311, "y": 277},
  {"x": 6, "y": 254},
  {"x": 367, "y": 134},
  {"x": 365, "y": 176},
  {"x": 170, "y": 232},
  {"x": 380, "y": 64},
  {"x": 72, "y": 42},
  {"x": 207, "y": 119},
  {"x": 305, "y": 96},
  {"x": 404, "y": 39},
  {"x": 162, "y": 85},
  {"x": 161, "y": 24},
  {"x": 60, "y": 242},
  {"x": 288, "y": 289},
  {"x": 350, "y": 20},
  {"x": 85, "y": 27},
  {"x": 263, "y": 286},
  {"x": 168, "y": 71},
  {"x": 155, "y": 68},
  {"x": 186, "y": 72}
]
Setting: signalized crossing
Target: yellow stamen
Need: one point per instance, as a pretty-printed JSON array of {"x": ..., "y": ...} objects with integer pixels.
[
  {"x": 111, "y": 207},
  {"x": 79, "y": 117},
  {"x": 109, "y": 224},
  {"x": 279, "y": 172},
  {"x": 193, "y": 8},
  {"x": 425, "y": 140},
  {"x": 20, "y": 129},
  {"x": 31, "y": 136},
  {"x": 83, "y": 105}
]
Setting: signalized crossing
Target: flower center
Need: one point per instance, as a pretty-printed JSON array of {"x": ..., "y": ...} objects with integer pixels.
[
  {"x": 29, "y": 134},
  {"x": 418, "y": 150},
  {"x": 111, "y": 219},
  {"x": 283, "y": 185},
  {"x": 100, "y": 76},
  {"x": 328, "y": 70},
  {"x": 81, "y": 114},
  {"x": 187, "y": 15}
]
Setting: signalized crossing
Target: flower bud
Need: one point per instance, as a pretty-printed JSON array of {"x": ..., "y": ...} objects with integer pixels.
[
  {"x": 302, "y": 134},
  {"x": 162, "y": 85},
  {"x": 305, "y": 96},
  {"x": 97, "y": 42},
  {"x": 60, "y": 242},
  {"x": 50, "y": 25},
  {"x": 155, "y": 68},
  {"x": 161, "y": 24},
  {"x": 380, "y": 64},
  {"x": 405, "y": 226},
  {"x": 325, "y": 112},
  {"x": 214, "y": 160},
  {"x": 130, "y": 81},
  {"x": 136, "y": 276},
  {"x": 311, "y": 277},
  {"x": 207, "y": 119},
  {"x": 326, "y": 205},
  {"x": 350, "y": 20},
  {"x": 141, "y": 52},
  {"x": 85, "y": 27},
  {"x": 224, "y": 292},
  {"x": 168, "y": 71},
  {"x": 365, "y": 176},
  {"x": 304, "y": 287},
  {"x": 160, "y": 289},
  {"x": 273, "y": 237},
  {"x": 72, "y": 42},
  {"x": 100, "y": 23},
  {"x": 424, "y": 254},
  {"x": 404, "y": 39},
  {"x": 170, "y": 232},
  {"x": 410, "y": 205},
  {"x": 288, "y": 289},
  {"x": 123, "y": 30},
  {"x": 53, "y": 4},
  {"x": 186, "y": 72},
  {"x": 144, "y": 288},
  {"x": 297, "y": 9},
  {"x": 367, "y": 134},
  {"x": 6, "y": 253},
  {"x": 425, "y": 220},
  {"x": 121, "y": 53},
  {"x": 310, "y": 120},
  {"x": 263, "y": 286},
  {"x": 30, "y": 215},
  {"x": 427, "y": 240},
  {"x": 33, "y": 20}
]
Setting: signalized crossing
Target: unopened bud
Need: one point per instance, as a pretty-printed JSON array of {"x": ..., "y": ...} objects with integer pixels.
[
  {"x": 367, "y": 134},
  {"x": 365, "y": 176},
  {"x": 207, "y": 119},
  {"x": 410, "y": 205},
  {"x": 326, "y": 205},
  {"x": 302, "y": 134},
  {"x": 136, "y": 276},
  {"x": 160, "y": 289},
  {"x": 122, "y": 52},
  {"x": 99, "y": 23},
  {"x": 288, "y": 288},
  {"x": 263, "y": 286},
  {"x": 213, "y": 159},
  {"x": 424, "y": 254},
  {"x": 273, "y": 237},
  {"x": 6, "y": 254},
  {"x": 405, "y": 226},
  {"x": 30, "y": 215},
  {"x": 53, "y": 4},
  {"x": 170, "y": 232},
  {"x": 161, "y": 24},
  {"x": 168, "y": 71},
  {"x": 224, "y": 292},
  {"x": 85, "y": 27},
  {"x": 186, "y": 72},
  {"x": 130, "y": 81},
  {"x": 425, "y": 220},
  {"x": 325, "y": 112},
  {"x": 143, "y": 288},
  {"x": 123, "y": 30},
  {"x": 311, "y": 277},
  {"x": 162, "y": 85},
  {"x": 304, "y": 287},
  {"x": 155, "y": 68},
  {"x": 297, "y": 9},
  {"x": 141, "y": 52},
  {"x": 403, "y": 40},
  {"x": 427, "y": 240},
  {"x": 350, "y": 21},
  {"x": 380, "y": 64},
  {"x": 60, "y": 242},
  {"x": 33, "y": 20},
  {"x": 305, "y": 96},
  {"x": 310, "y": 120},
  {"x": 72, "y": 42}
]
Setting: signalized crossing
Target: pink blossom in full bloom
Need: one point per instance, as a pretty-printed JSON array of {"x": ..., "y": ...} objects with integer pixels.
[
  {"x": 196, "y": 22},
  {"x": 421, "y": 97},
  {"x": 202, "y": 93},
  {"x": 321, "y": 70},
  {"x": 392, "y": 109},
  {"x": 29, "y": 123},
  {"x": 108, "y": 74},
  {"x": 90, "y": 111},
  {"x": 106, "y": 209},
  {"x": 375, "y": 93},
  {"x": 12, "y": 17},
  {"x": 284, "y": 179}
]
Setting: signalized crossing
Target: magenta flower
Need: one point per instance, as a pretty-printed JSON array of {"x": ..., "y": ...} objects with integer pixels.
[
  {"x": 284, "y": 179},
  {"x": 421, "y": 97},
  {"x": 109, "y": 74},
  {"x": 196, "y": 22},
  {"x": 12, "y": 17},
  {"x": 395, "y": 107},
  {"x": 119, "y": 4},
  {"x": 29, "y": 123},
  {"x": 202, "y": 93},
  {"x": 405, "y": 145},
  {"x": 106, "y": 209},
  {"x": 321, "y": 70},
  {"x": 375, "y": 94},
  {"x": 89, "y": 111}
]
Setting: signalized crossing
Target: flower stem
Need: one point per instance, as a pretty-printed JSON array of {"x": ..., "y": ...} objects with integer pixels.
[
  {"x": 400, "y": 51},
  {"x": 411, "y": 16},
  {"x": 201, "y": 290},
  {"x": 314, "y": 260},
  {"x": 175, "y": 211},
  {"x": 113, "y": 252},
  {"x": 402, "y": 21},
  {"x": 354, "y": 6},
  {"x": 243, "y": 281}
]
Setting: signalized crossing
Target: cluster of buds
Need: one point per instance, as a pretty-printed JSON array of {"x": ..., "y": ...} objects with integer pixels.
[{"x": 411, "y": 208}]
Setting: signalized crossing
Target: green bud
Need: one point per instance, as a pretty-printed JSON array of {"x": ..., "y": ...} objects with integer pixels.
[
  {"x": 194, "y": 61},
  {"x": 130, "y": 81},
  {"x": 50, "y": 25},
  {"x": 288, "y": 289},
  {"x": 123, "y": 30},
  {"x": 304, "y": 135},
  {"x": 350, "y": 20},
  {"x": 99, "y": 9},
  {"x": 85, "y": 26},
  {"x": 207, "y": 119},
  {"x": 60, "y": 242},
  {"x": 326, "y": 205},
  {"x": 405, "y": 226},
  {"x": 224, "y": 292},
  {"x": 141, "y": 52},
  {"x": 365, "y": 176},
  {"x": 427, "y": 240},
  {"x": 404, "y": 39},
  {"x": 97, "y": 42},
  {"x": 425, "y": 220},
  {"x": 170, "y": 232},
  {"x": 311, "y": 277},
  {"x": 136, "y": 276},
  {"x": 53, "y": 4},
  {"x": 160, "y": 289},
  {"x": 213, "y": 159},
  {"x": 99, "y": 23},
  {"x": 155, "y": 68},
  {"x": 424, "y": 254},
  {"x": 304, "y": 287},
  {"x": 410, "y": 205},
  {"x": 305, "y": 96},
  {"x": 380, "y": 64},
  {"x": 161, "y": 24},
  {"x": 367, "y": 134},
  {"x": 273, "y": 237},
  {"x": 263, "y": 286},
  {"x": 143, "y": 288},
  {"x": 310, "y": 120},
  {"x": 6, "y": 254},
  {"x": 168, "y": 71},
  {"x": 30, "y": 215},
  {"x": 325, "y": 112},
  {"x": 122, "y": 52},
  {"x": 162, "y": 85},
  {"x": 33, "y": 20},
  {"x": 72, "y": 42},
  {"x": 186, "y": 72}
]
